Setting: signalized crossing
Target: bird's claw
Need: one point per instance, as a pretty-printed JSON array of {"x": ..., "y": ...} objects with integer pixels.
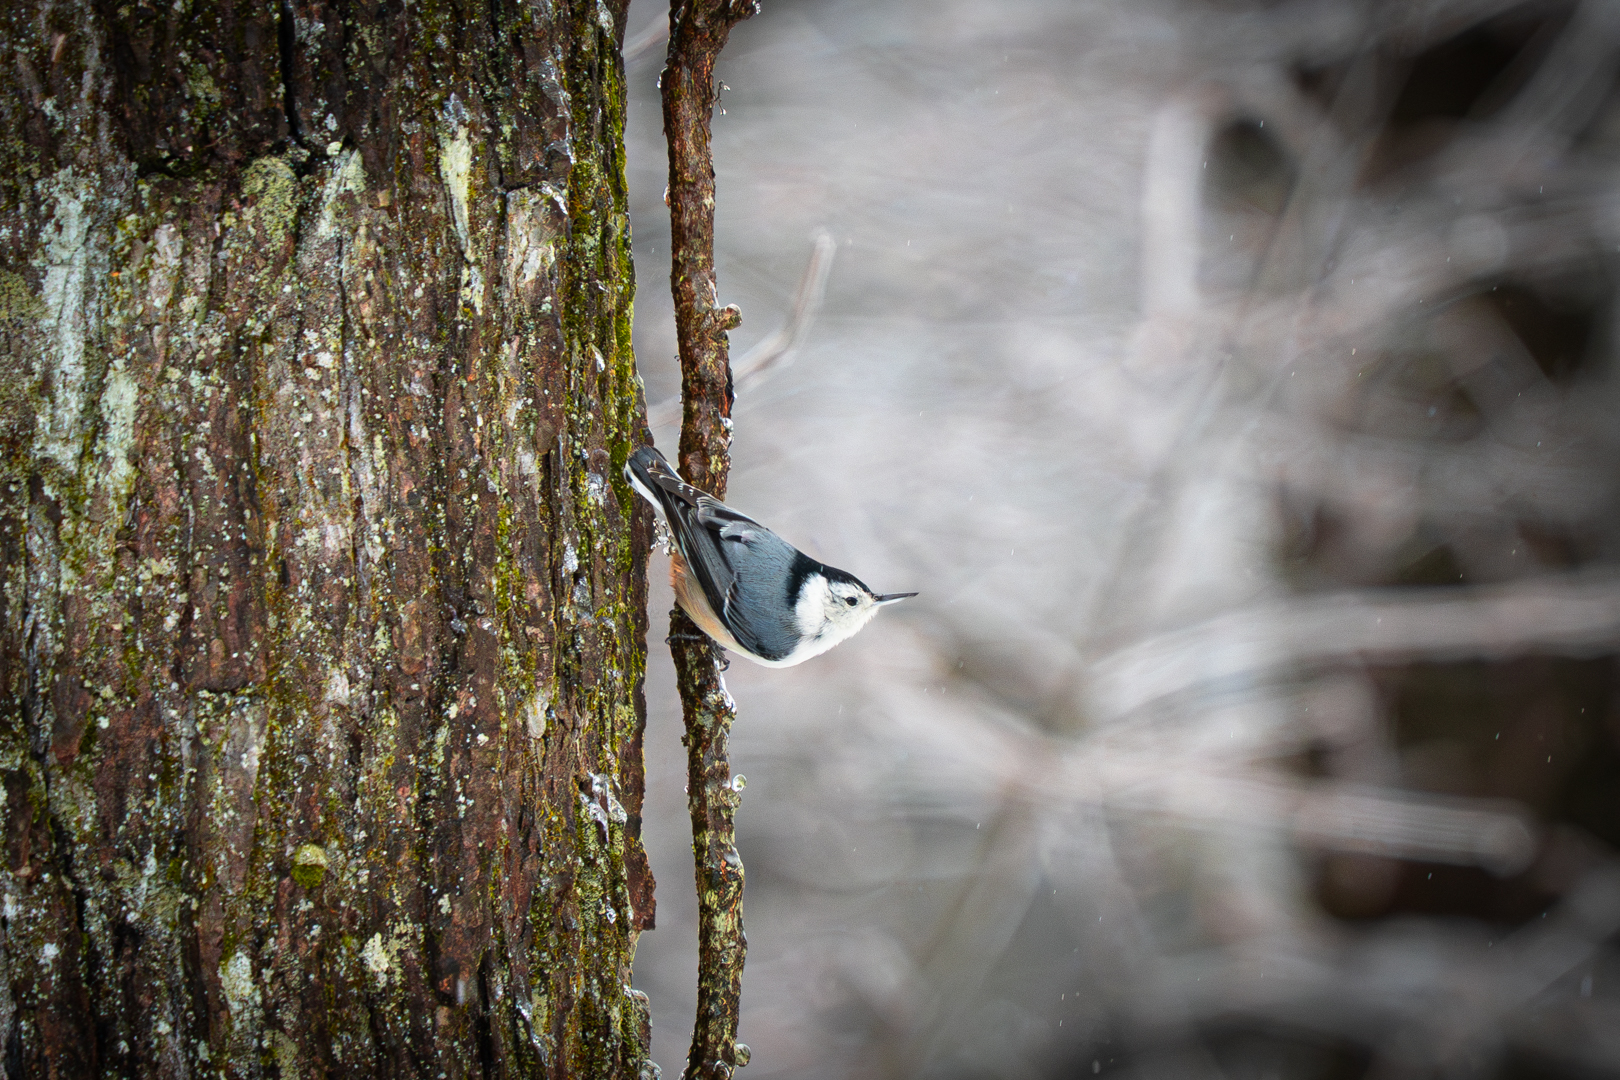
[{"x": 673, "y": 638}]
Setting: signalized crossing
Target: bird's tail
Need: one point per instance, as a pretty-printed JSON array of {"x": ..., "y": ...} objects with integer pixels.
[
  {"x": 639, "y": 471},
  {"x": 656, "y": 480}
]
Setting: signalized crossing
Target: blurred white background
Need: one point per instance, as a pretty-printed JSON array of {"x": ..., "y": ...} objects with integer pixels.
[{"x": 1236, "y": 381}]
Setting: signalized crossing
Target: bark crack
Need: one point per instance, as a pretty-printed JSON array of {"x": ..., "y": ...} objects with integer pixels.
[
  {"x": 287, "y": 38},
  {"x": 353, "y": 407}
]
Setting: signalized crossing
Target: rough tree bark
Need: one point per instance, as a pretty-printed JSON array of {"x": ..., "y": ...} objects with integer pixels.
[
  {"x": 321, "y": 594},
  {"x": 698, "y": 30}
]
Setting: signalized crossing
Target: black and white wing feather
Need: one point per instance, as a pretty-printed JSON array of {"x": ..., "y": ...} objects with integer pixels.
[{"x": 732, "y": 556}]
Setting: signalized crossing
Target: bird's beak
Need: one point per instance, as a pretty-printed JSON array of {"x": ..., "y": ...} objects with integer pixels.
[{"x": 890, "y": 598}]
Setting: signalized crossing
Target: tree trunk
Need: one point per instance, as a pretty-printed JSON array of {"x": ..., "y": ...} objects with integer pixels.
[{"x": 322, "y": 614}]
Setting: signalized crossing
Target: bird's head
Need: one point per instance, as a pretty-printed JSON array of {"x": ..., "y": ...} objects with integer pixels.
[{"x": 833, "y": 605}]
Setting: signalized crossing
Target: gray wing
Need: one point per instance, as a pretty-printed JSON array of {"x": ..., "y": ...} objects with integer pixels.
[
  {"x": 699, "y": 534},
  {"x": 682, "y": 507},
  {"x": 742, "y": 567}
]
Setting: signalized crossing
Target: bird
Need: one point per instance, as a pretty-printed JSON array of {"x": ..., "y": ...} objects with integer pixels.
[{"x": 744, "y": 586}]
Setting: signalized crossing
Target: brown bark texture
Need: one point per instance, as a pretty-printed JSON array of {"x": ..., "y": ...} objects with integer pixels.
[
  {"x": 322, "y": 597},
  {"x": 698, "y": 31}
]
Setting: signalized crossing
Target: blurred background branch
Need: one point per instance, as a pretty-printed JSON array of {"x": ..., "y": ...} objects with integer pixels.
[{"x": 776, "y": 348}]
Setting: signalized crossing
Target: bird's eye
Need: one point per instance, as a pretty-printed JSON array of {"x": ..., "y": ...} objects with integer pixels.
[{"x": 850, "y": 600}]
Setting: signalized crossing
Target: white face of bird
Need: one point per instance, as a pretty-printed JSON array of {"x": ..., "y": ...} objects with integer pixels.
[{"x": 832, "y": 610}]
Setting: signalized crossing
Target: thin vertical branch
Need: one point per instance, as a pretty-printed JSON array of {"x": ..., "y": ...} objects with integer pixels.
[{"x": 698, "y": 31}]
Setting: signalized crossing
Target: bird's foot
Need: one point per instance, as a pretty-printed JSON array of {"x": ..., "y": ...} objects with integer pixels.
[{"x": 673, "y": 638}]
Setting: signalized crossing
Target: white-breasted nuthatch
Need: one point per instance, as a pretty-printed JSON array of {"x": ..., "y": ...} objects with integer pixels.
[{"x": 743, "y": 585}]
